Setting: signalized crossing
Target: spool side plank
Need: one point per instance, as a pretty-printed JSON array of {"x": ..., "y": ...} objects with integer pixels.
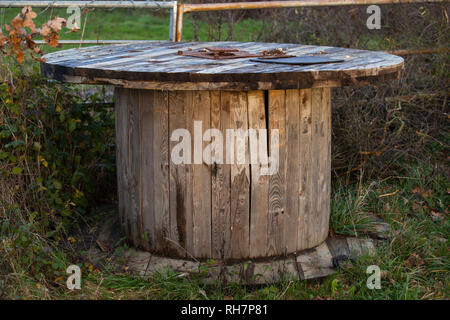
[
  {"x": 129, "y": 158},
  {"x": 305, "y": 192},
  {"x": 277, "y": 181},
  {"x": 188, "y": 192},
  {"x": 292, "y": 169},
  {"x": 240, "y": 181},
  {"x": 177, "y": 180},
  {"x": 161, "y": 173},
  {"x": 146, "y": 105},
  {"x": 120, "y": 126},
  {"x": 314, "y": 225},
  {"x": 220, "y": 180},
  {"x": 259, "y": 183},
  {"x": 201, "y": 181},
  {"x": 325, "y": 163}
]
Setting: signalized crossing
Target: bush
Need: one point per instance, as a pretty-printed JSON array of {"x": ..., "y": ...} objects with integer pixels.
[{"x": 56, "y": 157}]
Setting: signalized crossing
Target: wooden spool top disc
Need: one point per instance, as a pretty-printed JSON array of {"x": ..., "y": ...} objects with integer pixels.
[{"x": 157, "y": 65}]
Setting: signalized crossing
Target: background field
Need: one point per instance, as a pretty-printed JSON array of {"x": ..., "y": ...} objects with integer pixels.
[{"x": 390, "y": 158}]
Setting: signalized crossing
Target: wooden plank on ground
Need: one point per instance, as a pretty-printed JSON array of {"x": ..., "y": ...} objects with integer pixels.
[{"x": 315, "y": 263}]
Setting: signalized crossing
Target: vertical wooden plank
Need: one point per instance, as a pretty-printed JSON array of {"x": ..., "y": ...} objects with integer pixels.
[
  {"x": 293, "y": 169},
  {"x": 161, "y": 170},
  {"x": 303, "y": 240},
  {"x": 325, "y": 163},
  {"x": 277, "y": 181},
  {"x": 177, "y": 180},
  {"x": 202, "y": 182},
  {"x": 314, "y": 222},
  {"x": 146, "y": 122},
  {"x": 240, "y": 180},
  {"x": 120, "y": 123},
  {"x": 188, "y": 192},
  {"x": 259, "y": 183},
  {"x": 132, "y": 169},
  {"x": 220, "y": 180}
]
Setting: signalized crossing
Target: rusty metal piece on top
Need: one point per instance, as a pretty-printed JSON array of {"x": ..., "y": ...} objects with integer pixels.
[
  {"x": 301, "y": 60},
  {"x": 219, "y": 53}
]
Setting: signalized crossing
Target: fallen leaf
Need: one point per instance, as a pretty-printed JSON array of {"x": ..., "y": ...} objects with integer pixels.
[
  {"x": 102, "y": 245},
  {"x": 437, "y": 215}
]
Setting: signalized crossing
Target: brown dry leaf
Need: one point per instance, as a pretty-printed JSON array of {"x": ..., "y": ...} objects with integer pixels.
[
  {"x": 426, "y": 193},
  {"x": 52, "y": 40},
  {"x": 75, "y": 28},
  {"x": 29, "y": 24},
  {"x": 45, "y": 31},
  {"x": 415, "y": 205},
  {"x": 29, "y": 15},
  {"x": 17, "y": 22},
  {"x": 20, "y": 56},
  {"x": 437, "y": 215},
  {"x": 56, "y": 24},
  {"x": 414, "y": 260},
  {"x": 102, "y": 245}
]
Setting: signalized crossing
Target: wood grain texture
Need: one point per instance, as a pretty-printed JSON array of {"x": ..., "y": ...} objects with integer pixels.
[
  {"x": 259, "y": 218},
  {"x": 225, "y": 209},
  {"x": 292, "y": 169},
  {"x": 277, "y": 181},
  {"x": 324, "y": 193},
  {"x": 240, "y": 178},
  {"x": 201, "y": 181},
  {"x": 129, "y": 162},
  {"x": 156, "y": 64},
  {"x": 177, "y": 182},
  {"x": 305, "y": 190},
  {"x": 188, "y": 191},
  {"x": 221, "y": 180},
  {"x": 314, "y": 217},
  {"x": 161, "y": 173},
  {"x": 146, "y": 105},
  {"x": 120, "y": 126}
]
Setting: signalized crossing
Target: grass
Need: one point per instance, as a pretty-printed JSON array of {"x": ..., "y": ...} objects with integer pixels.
[
  {"x": 128, "y": 24},
  {"x": 415, "y": 262}
]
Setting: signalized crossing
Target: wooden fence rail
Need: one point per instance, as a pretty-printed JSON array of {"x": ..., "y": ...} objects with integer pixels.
[{"x": 186, "y": 8}]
